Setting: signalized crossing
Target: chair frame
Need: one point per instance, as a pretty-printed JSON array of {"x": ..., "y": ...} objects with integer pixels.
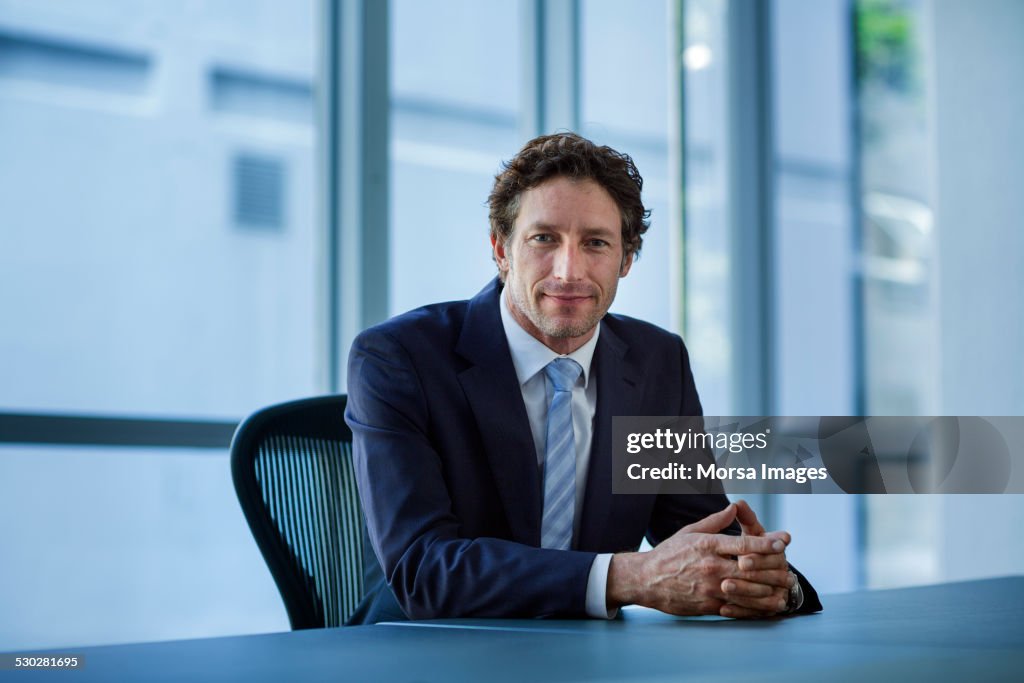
[{"x": 288, "y": 574}]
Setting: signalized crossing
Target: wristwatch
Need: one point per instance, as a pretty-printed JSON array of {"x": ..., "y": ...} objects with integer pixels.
[{"x": 796, "y": 596}]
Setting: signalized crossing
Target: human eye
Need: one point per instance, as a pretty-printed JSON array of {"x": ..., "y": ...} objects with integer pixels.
[
  {"x": 542, "y": 238},
  {"x": 597, "y": 243}
]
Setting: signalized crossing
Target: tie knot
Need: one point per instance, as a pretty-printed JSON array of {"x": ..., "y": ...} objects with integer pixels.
[{"x": 563, "y": 373}]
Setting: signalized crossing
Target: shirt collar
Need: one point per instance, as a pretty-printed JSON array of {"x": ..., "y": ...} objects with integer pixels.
[{"x": 530, "y": 356}]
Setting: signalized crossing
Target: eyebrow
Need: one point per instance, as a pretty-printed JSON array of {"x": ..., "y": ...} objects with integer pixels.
[{"x": 587, "y": 232}]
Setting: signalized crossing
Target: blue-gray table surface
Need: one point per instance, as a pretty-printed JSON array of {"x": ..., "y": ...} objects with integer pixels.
[{"x": 957, "y": 631}]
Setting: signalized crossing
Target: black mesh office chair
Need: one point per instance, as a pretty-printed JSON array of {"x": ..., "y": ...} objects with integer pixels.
[{"x": 292, "y": 468}]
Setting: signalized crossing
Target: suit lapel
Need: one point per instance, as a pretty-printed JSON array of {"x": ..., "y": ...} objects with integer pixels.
[
  {"x": 617, "y": 394},
  {"x": 492, "y": 389}
]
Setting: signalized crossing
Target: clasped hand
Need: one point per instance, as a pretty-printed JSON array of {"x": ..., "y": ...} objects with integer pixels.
[{"x": 701, "y": 571}]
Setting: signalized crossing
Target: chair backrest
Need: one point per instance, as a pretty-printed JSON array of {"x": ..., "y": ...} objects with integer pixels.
[{"x": 292, "y": 468}]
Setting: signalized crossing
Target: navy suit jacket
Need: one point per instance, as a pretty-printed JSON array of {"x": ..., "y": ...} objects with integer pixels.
[{"x": 447, "y": 468}]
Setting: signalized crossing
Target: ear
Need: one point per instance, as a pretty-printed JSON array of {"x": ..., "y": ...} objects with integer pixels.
[
  {"x": 500, "y": 256},
  {"x": 627, "y": 263}
]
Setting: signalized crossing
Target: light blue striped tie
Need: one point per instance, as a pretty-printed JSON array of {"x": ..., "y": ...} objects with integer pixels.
[{"x": 560, "y": 456}]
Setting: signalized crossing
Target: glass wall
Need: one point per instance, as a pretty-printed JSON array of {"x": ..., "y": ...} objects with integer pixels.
[
  {"x": 625, "y": 91},
  {"x": 708, "y": 276},
  {"x": 159, "y": 257},
  {"x": 897, "y": 228},
  {"x": 813, "y": 317},
  {"x": 118, "y": 545},
  {"x": 159, "y": 221},
  {"x": 455, "y": 107},
  {"x": 162, "y": 256},
  {"x": 896, "y": 244}
]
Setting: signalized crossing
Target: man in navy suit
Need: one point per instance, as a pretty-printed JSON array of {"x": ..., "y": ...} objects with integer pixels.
[{"x": 482, "y": 428}]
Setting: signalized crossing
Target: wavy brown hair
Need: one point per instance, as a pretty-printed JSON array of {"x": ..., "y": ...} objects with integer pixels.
[{"x": 571, "y": 156}]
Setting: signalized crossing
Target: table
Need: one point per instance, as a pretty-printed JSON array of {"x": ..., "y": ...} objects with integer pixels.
[{"x": 958, "y": 631}]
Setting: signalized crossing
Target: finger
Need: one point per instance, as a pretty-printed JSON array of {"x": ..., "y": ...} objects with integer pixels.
[
  {"x": 781, "y": 535},
  {"x": 755, "y": 562},
  {"x": 711, "y": 606},
  {"x": 775, "y": 578},
  {"x": 734, "y": 588},
  {"x": 744, "y": 545},
  {"x": 749, "y": 523},
  {"x": 775, "y": 602},
  {"x": 713, "y": 523},
  {"x": 737, "y": 612}
]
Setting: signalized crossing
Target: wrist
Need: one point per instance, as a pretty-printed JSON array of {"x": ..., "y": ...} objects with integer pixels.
[{"x": 624, "y": 572}]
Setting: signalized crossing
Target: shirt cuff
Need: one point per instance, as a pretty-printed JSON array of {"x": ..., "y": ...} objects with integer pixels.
[{"x": 597, "y": 589}]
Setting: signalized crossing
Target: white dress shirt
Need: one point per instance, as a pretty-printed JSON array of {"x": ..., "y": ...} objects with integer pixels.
[{"x": 529, "y": 357}]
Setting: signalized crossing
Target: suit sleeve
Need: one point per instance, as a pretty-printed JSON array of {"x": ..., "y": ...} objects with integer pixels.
[
  {"x": 674, "y": 511},
  {"x": 432, "y": 569}
]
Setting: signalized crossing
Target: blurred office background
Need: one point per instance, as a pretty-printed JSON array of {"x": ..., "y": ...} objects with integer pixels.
[{"x": 202, "y": 202}]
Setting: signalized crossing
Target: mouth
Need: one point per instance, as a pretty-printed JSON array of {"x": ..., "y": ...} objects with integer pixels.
[{"x": 568, "y": 299}]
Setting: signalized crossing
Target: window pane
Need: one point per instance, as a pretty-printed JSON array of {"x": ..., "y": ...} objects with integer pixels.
[
  {"x": 159, "y": 236},
  {"x": 454, "y": 107},
  {"x": 813, "y": 264},
  {"x": 636, "y": 124},
  {"x": 708, "y": 275},
  {"x": 145, "y": 544},
  {"x": 900, "y": 332},
  {"x": 900, "y": 329}
]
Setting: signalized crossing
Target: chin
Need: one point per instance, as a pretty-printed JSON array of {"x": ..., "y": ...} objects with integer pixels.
[{"x": 567, "y": 328}]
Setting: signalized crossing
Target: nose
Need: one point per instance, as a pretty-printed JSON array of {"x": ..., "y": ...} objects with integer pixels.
[{"x": 568, "y": 265}]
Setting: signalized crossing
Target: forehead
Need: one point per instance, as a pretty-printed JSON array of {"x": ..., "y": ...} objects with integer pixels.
[{"x": 567, "y": 203}]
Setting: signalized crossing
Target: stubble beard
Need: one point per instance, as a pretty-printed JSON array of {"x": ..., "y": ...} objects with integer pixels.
[{"x": 552, "y": 327}]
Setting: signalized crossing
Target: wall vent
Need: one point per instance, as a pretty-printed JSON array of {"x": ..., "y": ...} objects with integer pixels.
[{"x": 259, "y": 191}]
